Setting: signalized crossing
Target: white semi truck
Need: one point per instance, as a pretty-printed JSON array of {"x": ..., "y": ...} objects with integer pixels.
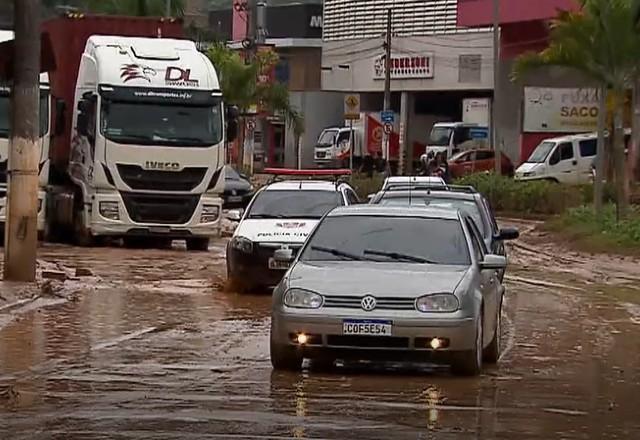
[
  {"x": 140, "y": 139},
  {"x": 44, "y": 139}
]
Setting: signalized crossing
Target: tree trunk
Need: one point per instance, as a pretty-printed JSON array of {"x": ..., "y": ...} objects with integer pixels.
[
  {"x": 619, "y": 158},
  {"x": 21, "y": 231},
  {"x": 634, "y": 146},
  {"x": 598, "y": 182},
  {"x": 241, "y": 139}
]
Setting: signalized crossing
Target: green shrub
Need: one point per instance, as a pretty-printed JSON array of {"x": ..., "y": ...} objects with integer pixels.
[
  {"x": 539, "y": 197},
  {"x": 600, "y": 233}
]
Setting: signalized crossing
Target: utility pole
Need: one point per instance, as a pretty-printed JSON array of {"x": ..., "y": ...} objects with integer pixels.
[
  {"x": 495, "y": 139},
  {"x": 387, "y": 89},
  {"x": 21, "y": 234}
]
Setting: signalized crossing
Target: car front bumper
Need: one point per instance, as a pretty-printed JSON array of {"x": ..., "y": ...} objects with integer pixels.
[
  {"x": 253, "y": 268},
  {"x": 410, "y": 336}
]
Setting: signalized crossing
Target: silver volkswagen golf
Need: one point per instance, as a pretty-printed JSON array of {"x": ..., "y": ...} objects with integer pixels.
[{"x": 382, "y": 283}]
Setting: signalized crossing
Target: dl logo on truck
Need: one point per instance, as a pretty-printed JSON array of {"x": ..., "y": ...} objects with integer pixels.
[
  {"x": 162, "y": 166},
  {"x": 175, "y": 76}
]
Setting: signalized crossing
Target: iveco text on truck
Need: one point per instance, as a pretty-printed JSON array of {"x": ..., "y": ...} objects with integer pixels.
[{"x": 140, "y": 127}]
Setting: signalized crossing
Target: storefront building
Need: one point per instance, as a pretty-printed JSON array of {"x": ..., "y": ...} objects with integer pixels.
[
  {"x": 435, "y": 63},
  {"x": 546, "y": 103}
]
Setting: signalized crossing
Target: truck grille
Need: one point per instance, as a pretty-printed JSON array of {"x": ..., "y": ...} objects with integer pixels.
[
  {"x": 161, "y": 209},
  {"x": 3, "y": 172},
  {"x": 140, "y": 179},
  {"x": 354, "y": 302}
]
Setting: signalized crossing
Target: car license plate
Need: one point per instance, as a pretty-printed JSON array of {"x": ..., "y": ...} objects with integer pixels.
[
  {"x": 234, "y": 199},
  {"x": 369, "y": 327},
  {"x": 278, "y": 265}
]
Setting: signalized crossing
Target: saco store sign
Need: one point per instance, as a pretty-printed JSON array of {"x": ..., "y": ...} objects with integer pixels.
[
  {"x": 405, "y": 66},
  {"x": 560, "y": 110}
]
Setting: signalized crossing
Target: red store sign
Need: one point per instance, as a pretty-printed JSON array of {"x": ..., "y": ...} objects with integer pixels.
[{"x": 405, "y": 66}]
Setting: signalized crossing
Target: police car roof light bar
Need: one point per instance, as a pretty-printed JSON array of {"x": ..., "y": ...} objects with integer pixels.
[{"x": 278, "y": 172}]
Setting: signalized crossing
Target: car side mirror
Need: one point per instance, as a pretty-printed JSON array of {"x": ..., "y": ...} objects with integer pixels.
[
  {"x": 370, "y": 197},
  {"x": 59, "y": 123},
  {"x": 235, "y": 215},
  {"x": 493, "y": 262},
  {"x": 283, "y": 255},
  {"x": 506, "y": 234}
]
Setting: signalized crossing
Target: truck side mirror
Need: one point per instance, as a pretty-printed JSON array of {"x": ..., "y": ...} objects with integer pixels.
[
  {"x": 83, "y": 124},
  {"x": 59, "y": 123}
]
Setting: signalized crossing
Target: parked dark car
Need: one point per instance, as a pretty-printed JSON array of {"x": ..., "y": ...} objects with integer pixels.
[{"x": 238, "y": 190}]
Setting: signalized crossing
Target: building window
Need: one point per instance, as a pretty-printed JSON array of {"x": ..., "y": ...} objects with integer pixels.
[{"x": 470, "y": 68}]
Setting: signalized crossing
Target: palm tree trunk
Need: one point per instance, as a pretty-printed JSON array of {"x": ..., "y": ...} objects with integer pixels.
[
  {"x": 598, "y": 182},
  {"x": 619, "y": 157}
]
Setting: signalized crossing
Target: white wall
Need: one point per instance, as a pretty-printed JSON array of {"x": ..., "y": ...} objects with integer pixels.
[
  {"x": 359, "y": 56},
  {"x": 320, "y": 110}
]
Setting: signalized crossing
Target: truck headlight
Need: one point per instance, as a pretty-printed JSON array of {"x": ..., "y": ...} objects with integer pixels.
[
  {"x": 242, "y": 244},
  {"x": 302, "y": 299},
  {"x": 210, "y": 214},
  {"x": 439, "y": 302},
  {"x": 110, "y": 210}
]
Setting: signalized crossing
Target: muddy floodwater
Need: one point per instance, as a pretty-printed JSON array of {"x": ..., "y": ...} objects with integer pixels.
[{"x": 151, "y": 346}]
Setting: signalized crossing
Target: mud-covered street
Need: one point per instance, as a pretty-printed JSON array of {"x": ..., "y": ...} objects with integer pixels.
[{"x": 152, "y": 346}]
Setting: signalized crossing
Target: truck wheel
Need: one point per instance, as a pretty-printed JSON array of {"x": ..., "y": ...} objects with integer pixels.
[
  {"x": 469, "y": 363},
  {"x": 198, "y": 244},
  {"x": 284, "y": 357},
  {"x": 82, "y": 236}
]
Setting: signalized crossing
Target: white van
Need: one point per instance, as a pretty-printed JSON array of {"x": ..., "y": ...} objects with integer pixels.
[{"x": 566, "y": 159}]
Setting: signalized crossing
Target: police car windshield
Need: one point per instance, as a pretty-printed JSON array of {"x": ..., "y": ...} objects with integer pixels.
[{"x": 293, "y": 204}]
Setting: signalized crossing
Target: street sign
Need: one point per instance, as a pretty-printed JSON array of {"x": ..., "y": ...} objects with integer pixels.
[
  {"x": 387, "y": 116},
  {"x": 352, "y": 107},
  {"x": 388, "y": 128}
]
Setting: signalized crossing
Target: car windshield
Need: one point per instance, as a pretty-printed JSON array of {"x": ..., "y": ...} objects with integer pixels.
[
  {"x": 162, "y": 124},
  {"x": 541, "y": 152},
  {"x": 327, "y": 137},
  {"x": 440, "y": 136},
  {"x": 469, "y": 206},
  {"x": 231, "y": 174},
  {"x": 412, "y": 240},
  {"x": 5, "y": 114},
  {"x": 293, "y": 204}
]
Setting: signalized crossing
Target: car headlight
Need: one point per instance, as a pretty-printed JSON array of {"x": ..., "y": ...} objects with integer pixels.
[
  {"x": 439, "y": 302},
  {"x": 210, "y": 213},
  {"x": 110, "y": 210},
  {"x": 242, "y": 244},
  {"x": 529, "y": 174},
  {"x": 302, "y": 299}
]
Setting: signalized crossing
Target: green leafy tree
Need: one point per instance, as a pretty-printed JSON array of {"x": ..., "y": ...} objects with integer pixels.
[
  {"x": 239, "y": 81},
  {"x": 600, "y": 41}
]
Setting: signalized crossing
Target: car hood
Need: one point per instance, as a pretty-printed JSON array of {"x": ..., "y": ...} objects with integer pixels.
[
  {"x": 355, "y": 278},
  {"x": 276, "y": 230},
  {"x": 527, "y": 167}
]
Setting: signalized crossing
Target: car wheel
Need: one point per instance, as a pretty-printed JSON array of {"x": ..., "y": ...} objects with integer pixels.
[
  {"x": 198, "y": 244},
  {"x": 492, "y": 352},
  {"x": 469, "y": 363},
  {"x": 284, "y": 357}
]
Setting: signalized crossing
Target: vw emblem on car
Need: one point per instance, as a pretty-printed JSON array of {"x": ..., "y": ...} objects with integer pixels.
[{"x": 368, "y": 303}]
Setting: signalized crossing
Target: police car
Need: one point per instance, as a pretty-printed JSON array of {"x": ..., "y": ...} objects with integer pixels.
[{"x": 281, "y": 215}]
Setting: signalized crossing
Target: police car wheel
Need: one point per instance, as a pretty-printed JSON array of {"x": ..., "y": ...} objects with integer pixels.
[{"x": 198, "y": 244}]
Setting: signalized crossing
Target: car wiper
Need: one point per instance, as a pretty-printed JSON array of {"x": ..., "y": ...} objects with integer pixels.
[
  {"x": 337, "y": 253},
  {"x": 399, "y": 256},
  {"x": 266, "y": 216}
]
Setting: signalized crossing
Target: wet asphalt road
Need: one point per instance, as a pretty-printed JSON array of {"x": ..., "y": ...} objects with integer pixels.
[{"x": 161, "y": 351}]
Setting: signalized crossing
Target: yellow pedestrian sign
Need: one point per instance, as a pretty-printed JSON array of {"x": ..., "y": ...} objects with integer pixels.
[{"x": 352, "y": 107}]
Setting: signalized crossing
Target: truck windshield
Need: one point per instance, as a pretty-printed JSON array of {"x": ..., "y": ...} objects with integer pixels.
[
  {"x": 162, "y": 124},
  {"x": 541, "y": 152},
  {"x": 327, "y": 137},
  {"x": 5, "y": 114},
  {"x": 440, "y": 136}
]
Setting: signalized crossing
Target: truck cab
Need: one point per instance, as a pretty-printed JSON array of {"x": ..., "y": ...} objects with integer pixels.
[
  {"x": 44, "y": 140},
  {"x": 334, "y": 145},
  {"x": 147, "y": 143},
  {"x": 452, "y": 137}
]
